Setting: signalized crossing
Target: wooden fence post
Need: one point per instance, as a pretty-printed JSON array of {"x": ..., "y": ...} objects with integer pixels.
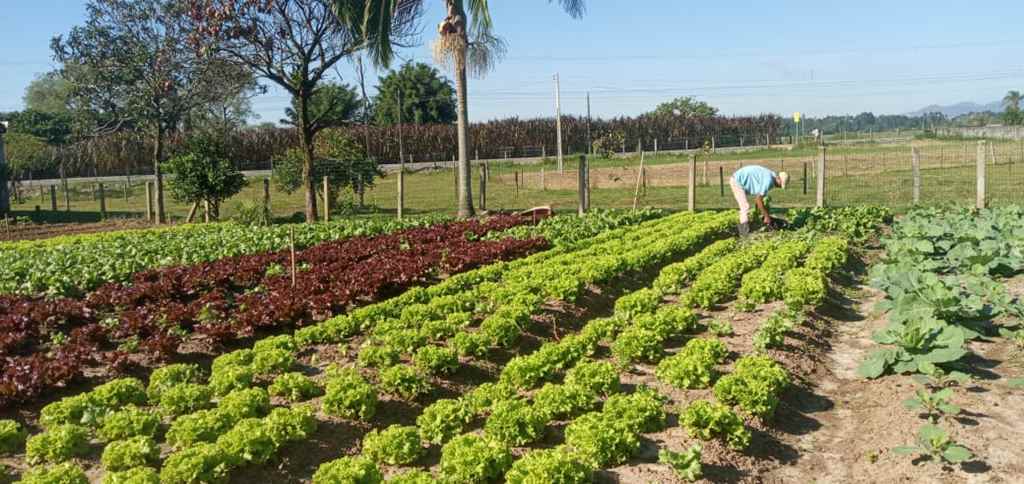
[
  {"x": 483, "y": 187},
  {"x": 915, "y": 166},
  {"x": 266, "y": 196},
  {"x": 805, "y": 178},
  {"x": 401, "y": 193},
  {"x": 980, "y": 194},
  {"x": 639, "y": 181},
  {"x": 821, "y": 179},
  {"x": 103, "y": 203},
  {"x": 691, "y": 189},
  {"x": 327, "y": 199},
  {"x": 543, "y": 186},
  {"x": 53, "y": 198},
  {"x": 581, "y": 178},
  {"x": 149, "y": 201},
  {"x": 721, "y": 181}
]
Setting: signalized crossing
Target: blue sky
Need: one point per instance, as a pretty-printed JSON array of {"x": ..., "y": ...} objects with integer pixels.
[{"x": 744, "y": 57}]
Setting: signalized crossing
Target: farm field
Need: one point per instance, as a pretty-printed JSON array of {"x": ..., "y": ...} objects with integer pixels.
[
  {"x": 617, "y": 347},
  {"x": 870, "y": 173}
]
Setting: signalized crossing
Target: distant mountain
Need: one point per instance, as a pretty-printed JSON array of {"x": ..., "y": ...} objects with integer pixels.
[{"x": 954, "y": 110}]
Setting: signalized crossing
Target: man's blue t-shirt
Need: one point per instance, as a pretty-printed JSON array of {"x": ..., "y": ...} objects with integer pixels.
[{"x": 755, "y": 180}]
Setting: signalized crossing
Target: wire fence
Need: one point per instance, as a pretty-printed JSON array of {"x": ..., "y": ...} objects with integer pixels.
[{"x": 879, "y": 174}]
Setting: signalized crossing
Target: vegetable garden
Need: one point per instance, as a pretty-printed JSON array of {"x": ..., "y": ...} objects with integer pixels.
[{"x": 629, "y": 346}]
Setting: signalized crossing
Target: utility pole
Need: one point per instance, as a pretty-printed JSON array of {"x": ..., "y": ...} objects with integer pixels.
[
  {"x": 558, "y": 122},
  {"x": 590, "y": 143}
]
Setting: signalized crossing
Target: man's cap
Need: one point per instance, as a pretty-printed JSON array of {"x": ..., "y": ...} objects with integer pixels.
[{"x": 784, "y": 178}]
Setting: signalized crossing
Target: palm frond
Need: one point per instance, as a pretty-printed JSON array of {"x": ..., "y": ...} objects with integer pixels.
[
  {"x": 575, "y": 8},
  {"x": 485, "y": 51}
]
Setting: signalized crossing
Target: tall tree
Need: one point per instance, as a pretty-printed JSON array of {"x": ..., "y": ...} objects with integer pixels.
[
  {"x": 48, "y": 93},
  {"x": 1013, "y": 115},
  {"x": 1012, "y": 100},
  {"x": 686, "y": 107},
  {"x": 296, "y": 44},
  {"x": 422, "y": 93},
  {"x": 333, "y": 104},
  {"x": 128, "y": 59},
  {"x": 466, "y": 41}
]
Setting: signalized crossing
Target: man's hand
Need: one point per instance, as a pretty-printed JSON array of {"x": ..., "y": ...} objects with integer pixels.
[{"x": 767, "y": 221}]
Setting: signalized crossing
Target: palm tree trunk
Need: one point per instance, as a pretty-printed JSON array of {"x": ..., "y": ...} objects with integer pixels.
[{"x": 465, "y": 180}]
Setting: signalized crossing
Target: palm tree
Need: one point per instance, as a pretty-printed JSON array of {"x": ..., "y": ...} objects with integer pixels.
[
  {"x": 1012, "y": 100},
  {"x": 466, "y": 41}
]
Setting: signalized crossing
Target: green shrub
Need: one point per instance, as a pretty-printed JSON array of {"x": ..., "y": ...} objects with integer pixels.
[
  {"x": 640, "y": 411},
  {"x": 348, "y": 470},
  {"x": 754, "y": 385},
  {"x": 120, "y": 392},
  {"x": 395, "y": 445},
  {"x": 12, "y": 436},
  {"x": 638, "y": 344},
  {"x": 229, "y": 379},
  {"x": 705, "y": 420},
  {"x": 205, "y": 463},
  {"x": 253, "y": 402},
  {"x": 248, "y": 442},
  {"x": 436, "y": 359},
  {"x": 349, "y": 395},
  {"x": 601, "y": 441},
  {"x": 122, "y": 455},
  {"x": 135, "y": 475},
  {"x": 557, "y": 465},
  {"x": 201, "y": 426},
  {"x": 132, "y": 421},
  {"x": 558, "y": 401},
  {"x": 515, "y": 423},
  {"x": 377, "y": 356},
  {"x": 598, "y": 377},
  {"x": 57, "y": 444},
  {"x": 287, "y": 425},
  {"x": 442, "y": 420},
  {"x": 66, "y": 473},
  {"x": 185, "y": 398},
  {"x": 272, "y": 361},
  {"x": 404, "y": 381},
  {"x": 171, "y": 376},
  {"x": 295, "y": 387},
  {"x": 471, "y": 458},
  {"x": 694, "y": 366}
]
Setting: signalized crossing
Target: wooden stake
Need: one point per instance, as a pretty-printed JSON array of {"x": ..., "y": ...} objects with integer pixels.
[
  {"x": 483, "y": 187},
  {"x": 266, "y": 196},
  {"x": 192, "y": 213},
  {"x": 915, "y": 165},
  {"x": 327, "y": 199},
  {"x": 401, "y": 193},
  {"x": 821, "y": 179},
  {"x": 639, "y": 179},
  {"x": 691, "y": 196},
  {"x": 980, "y": 175},
  {"x": 149, "y": 201},
  {"x": 291, "y": 245},
  {"x": 53, "y": 198},
  {"x": 721, "y": 181},
  {"x": 103, "y": 202}
]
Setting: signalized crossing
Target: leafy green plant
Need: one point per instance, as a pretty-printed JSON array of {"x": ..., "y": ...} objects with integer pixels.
[
  {"x": 295, "y": 387},
  {"x": 470, "y": 344},
  {"x": 693, "y": 367},
  {"x": 803, "y": 288},
  {"x": 686, "y": 464},
  {"x": 720, "y": 328},
  {"x": 772, "y": 333},
  {"x": 549, "y": 466},
  {"x": 81, "y": 409},
  {"x": 231, "y": 378},
  {"x": 359, "y": 470},
  {"x": 57, "y": 444},
  {"x": 638, "y": 344},
  {"x": 933, "y": 404},
  {"x": 198, "y": 463},
  {"x": 122, "y": 455},
  {"x": 436, "y": 359},
  {"x": 935, "y": 443},
  {"x": 249, "y": 403},
  {"x": 248, "y": 442},
  {"x": 642, "y": 410},
  {"x": 673, "y": 278},
  {"x": 12, "y": 436},
  {"x": 378, "y": 356},
  {"x": 65, "y": 473},
  {"x": 443, "y": 420},
  {"x": 170, "y": 376},
  {"x": 601, "y": 441},
  {"x": 598, "y": 377},
  {"x": 272, "y": 361},
  {"x": 349, "y": 395},
  {"x": 917, "y": 343},
  {"x": 135, "y": 475},
  {"x": 201, "y": 426},
  {"x": 404, "y": 381},
  {"x": 471, "y": 458},
  {"x": 568, "y": 400},
  {"x": 122, "y": 391},
  {"x": 755, "y": 385},
  {"x": 482, "y": 398},
  {"x": 132, "y": 421},
  {"x": 395, "y": 445},
  {"x": 290, "y": 424},
  {"x": 414, "y": 476},
  {"x": 515, "y": 422},
  {"x": 705, "y": 420},
  {"x": 643, "y": 301}
]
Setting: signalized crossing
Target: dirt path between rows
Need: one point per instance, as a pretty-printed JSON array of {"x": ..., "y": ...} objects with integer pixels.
[{"x": 858, "y": 422}]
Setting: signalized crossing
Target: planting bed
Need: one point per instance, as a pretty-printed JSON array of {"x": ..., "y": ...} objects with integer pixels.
[{"x": 661, "y": 351}]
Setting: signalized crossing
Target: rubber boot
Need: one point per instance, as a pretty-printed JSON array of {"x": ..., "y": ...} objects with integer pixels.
[{"x": 743, "y": 229}]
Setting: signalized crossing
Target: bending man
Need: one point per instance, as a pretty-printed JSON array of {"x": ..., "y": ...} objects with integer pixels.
[{"x": 757, "y": 181}]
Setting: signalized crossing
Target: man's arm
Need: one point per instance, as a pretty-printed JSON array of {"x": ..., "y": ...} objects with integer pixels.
[{"x": 765, "y": 217}]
